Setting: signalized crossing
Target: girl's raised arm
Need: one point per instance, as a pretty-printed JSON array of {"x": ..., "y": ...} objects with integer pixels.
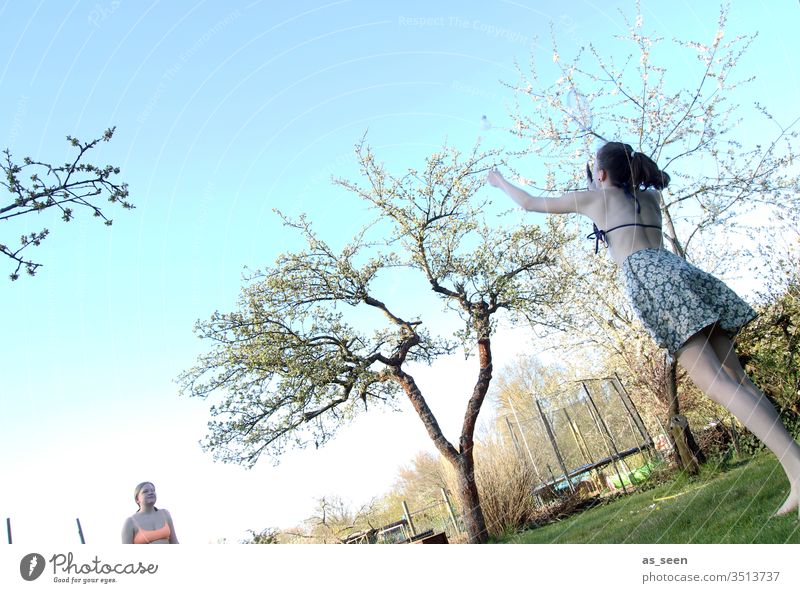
[{"x": 564, "y": 204}]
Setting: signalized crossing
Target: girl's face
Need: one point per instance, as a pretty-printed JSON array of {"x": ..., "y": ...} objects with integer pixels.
[{"x": 147, "y": 495}]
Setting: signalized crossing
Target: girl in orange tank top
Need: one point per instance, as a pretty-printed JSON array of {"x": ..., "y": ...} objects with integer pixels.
[{"x": 134, "y": 532}]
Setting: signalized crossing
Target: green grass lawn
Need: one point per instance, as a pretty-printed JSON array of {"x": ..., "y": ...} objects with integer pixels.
[{"x": 728, "y": 504}]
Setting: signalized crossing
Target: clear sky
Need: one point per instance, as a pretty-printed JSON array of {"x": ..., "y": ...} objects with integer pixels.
[{"x": 225, "y": 111}]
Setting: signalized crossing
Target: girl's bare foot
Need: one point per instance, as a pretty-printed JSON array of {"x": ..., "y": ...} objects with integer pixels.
[{"x": 791, "y": 504}]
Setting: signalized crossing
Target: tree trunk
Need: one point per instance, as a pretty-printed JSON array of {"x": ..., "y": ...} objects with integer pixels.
[
  {"x": 689, "y": 456},
  {"x": 471, "y": 512},
  {"x": 462, "y": 461}
]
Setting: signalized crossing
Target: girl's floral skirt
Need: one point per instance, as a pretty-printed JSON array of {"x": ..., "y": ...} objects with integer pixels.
[{"x": 675, "y": 300}]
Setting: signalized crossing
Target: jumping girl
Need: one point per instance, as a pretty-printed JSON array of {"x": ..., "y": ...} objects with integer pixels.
[{"x": 687, "y": 311}]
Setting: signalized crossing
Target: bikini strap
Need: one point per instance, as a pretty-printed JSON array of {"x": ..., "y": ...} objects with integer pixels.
[{"x": 598, "y": 235}]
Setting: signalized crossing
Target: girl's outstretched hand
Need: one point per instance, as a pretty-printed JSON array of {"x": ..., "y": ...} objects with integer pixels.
[{"x": 494, "y": 178}]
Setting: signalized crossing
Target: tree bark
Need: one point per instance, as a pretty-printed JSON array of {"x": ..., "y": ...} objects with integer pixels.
[
  {"x": 688, "y": 453},
  {"x": 471, "y": 512},
  {"x": 462, "y": 461}
]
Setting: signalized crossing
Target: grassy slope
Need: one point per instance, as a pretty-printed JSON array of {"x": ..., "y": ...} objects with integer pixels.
[{"x": 729, "y": 504}]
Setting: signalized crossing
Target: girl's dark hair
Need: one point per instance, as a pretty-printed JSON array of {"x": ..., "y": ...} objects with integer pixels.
[{"x": 626, "y": 167}]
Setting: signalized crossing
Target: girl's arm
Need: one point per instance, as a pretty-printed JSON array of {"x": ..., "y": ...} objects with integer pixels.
[
  {"x": 564, "y": 204},
  {"x": 127, "y": 531}
]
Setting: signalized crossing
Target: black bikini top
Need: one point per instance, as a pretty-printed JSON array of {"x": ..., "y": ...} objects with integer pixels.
[{"x": 600, "y": 235}]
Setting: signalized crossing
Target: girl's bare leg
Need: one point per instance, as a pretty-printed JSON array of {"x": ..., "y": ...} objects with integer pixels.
[
  {"x": 712, "y": 364},
  {"x": 726, "y": 352}
]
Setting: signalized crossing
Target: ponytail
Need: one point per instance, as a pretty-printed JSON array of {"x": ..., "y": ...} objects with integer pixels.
[
  {"x": 645, "y": 173},
  {"x": 627, "y": 167}
]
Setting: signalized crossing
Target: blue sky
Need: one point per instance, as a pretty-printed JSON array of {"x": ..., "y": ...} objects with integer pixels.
[{"x": 223, "y": 112}]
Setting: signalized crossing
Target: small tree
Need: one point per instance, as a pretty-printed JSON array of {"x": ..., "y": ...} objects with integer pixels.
[
  {"x": 292, "y": 368},
  {"x": 333, "y": 522},
  {"x": 420, "y": 483},
  {"x": 36, "y": 186},
  {"x": 270, "y": 535}
]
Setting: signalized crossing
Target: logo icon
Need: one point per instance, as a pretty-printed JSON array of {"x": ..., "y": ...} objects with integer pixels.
[{"x": 31, "y": 566}]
